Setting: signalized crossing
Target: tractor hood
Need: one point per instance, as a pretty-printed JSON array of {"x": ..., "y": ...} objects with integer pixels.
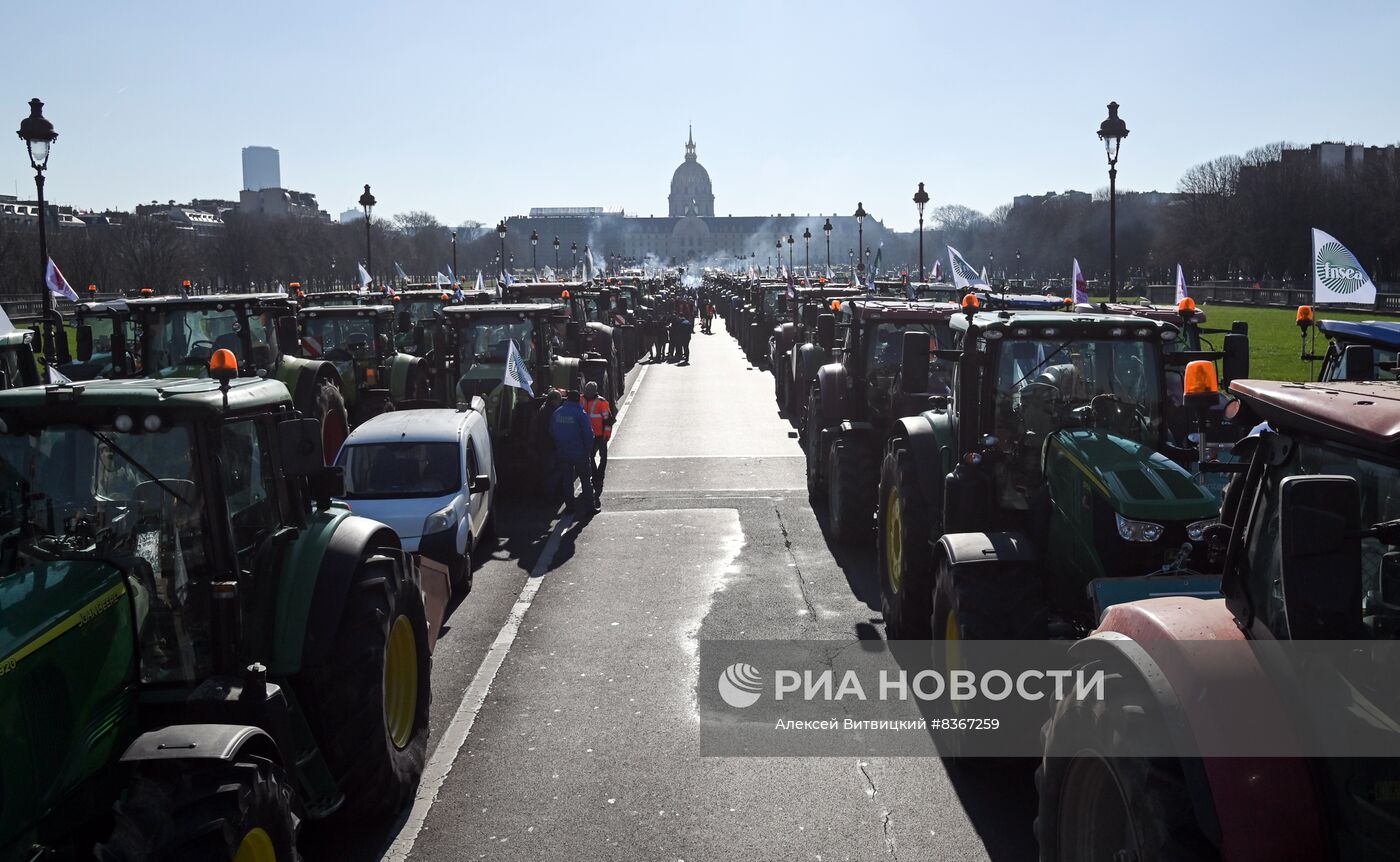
[
  {"x": 39, "y": 603},
  {"x": 1134, "y": 480}
]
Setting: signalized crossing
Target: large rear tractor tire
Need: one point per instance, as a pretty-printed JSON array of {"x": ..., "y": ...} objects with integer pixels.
[
  {"x": 205, "y": 811},
  {"x": 368, "y": 704},
  {"x": 906, "y": 524},
  {"x": 335, "y": 424},
  {"x": 1097, "y": 802},
  {"x": 851, "y": 489}
]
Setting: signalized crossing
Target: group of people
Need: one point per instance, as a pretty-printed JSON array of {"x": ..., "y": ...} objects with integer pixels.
[
  {"x": 669, "y": 335},
  {"x": 580, "y": 426}
]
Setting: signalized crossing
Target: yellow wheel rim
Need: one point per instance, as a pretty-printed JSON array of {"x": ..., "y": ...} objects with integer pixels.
[
  {"x": 894, "y": 548},
  {"x": 952, "y": 651},
  {"x": 401, "y": 682},
  {"x": 256, "y": 846}
]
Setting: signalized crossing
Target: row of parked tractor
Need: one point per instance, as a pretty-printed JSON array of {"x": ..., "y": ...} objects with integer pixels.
[
  {"x": 1109, "y": 475},
  {"x": 204, "y": 646}
]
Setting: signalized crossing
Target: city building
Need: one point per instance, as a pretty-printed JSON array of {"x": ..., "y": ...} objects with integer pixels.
[
  {"x": 689, "y": 232},
  {"x": 12, "y": 209},
  {"x": 280, "y": 203},
  {"x": 262, "y": 169},
  {"x": 351, "y": 215}
]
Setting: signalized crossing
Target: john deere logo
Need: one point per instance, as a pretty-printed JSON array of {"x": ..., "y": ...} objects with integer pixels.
[{"x": 1337, "y": 269}]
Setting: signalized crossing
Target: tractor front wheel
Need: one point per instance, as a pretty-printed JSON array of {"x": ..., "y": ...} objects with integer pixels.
[
  {"x": 205, "y": 811},
  {"x": 368, "y": 704},
  {"x": 851, "y": 489},
  {"x": 1100, "y": 801},
  {"x": 906, "y": 523}
]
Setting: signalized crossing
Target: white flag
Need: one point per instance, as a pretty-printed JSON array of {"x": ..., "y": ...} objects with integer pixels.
[
  {"x": 1081, "y": 287},
  {"x": 364, "y": 276},
  {"x": 451, "y": 276},
  {"x": 1337, "y": 274},
  {"x": 964, "y": 276},
  {"x": 517, "y": 374},
  {"x": 5, "y": 324},
  {"x": 442, "y": 280},
  {"x": 398, "y": 271},
  {"x": 480, "y": 282},
  {"x": 1180, "y": 284},
  {"x": 58, "y": 285}
]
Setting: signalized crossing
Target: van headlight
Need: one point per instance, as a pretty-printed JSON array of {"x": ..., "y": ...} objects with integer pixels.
[
  {"x": 1197, "y": 532},
  {"x": 1137, "y": 531},
  {"x": 441, "y": 520}
]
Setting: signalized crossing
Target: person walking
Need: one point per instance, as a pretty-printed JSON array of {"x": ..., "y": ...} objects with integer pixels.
[
  {"x": 681, "y": 331},
  {"x": 573, "y": 450},
  {"x": 600, "y": 414}
]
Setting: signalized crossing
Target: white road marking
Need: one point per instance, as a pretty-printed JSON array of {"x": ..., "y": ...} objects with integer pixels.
[
  {"x": 627, "y": 402},
  {"x": 705, "y": 457},
  {"x": 445, "y": 755}
]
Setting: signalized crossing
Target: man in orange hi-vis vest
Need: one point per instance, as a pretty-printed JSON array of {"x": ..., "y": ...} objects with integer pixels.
[{"x": 600, "y": 413}]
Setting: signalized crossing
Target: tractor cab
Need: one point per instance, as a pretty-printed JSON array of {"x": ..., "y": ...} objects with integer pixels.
[
  {"x": 1356, "y": 349},
  {"x": 359, "y": 342},
  {"x": 871, "y": 337},
  {"x": 107, "y": 345}
]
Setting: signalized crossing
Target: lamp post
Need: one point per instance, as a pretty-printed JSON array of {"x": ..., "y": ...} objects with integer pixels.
[
  {"x": 534, "y": 256},
  {"x": 790, "y": 242},
  {"x": 1112, "y": 131},
  {"x": 807, "y": 252},
  {"x": 991, "y": 266},
  {"x": 454, "y": 254},
  {"x": 1018, "y": 264},
  {"x": 556, "y": 257},
  {"x": 38, "y": 136},
  {"x": 826, "y": 229},
  {"x": 501, "y": 232},
  {"x": 778, "y": 258},
  {"x": 860, "y": 232},
  {"x": 851, "y": 259},
  {"x": 921, "y": 198},
  {"x": 367, "y": 201}
]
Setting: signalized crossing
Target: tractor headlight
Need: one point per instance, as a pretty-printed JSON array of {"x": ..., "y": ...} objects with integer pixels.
[
  {"x": 1197, "y": 532},
  {"x": 441, "y": 520},
  {"x": 1138, "y": 531}
]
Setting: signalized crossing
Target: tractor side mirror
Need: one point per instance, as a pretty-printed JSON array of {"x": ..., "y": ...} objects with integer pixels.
[
  {"x": 288, "y": 335},
  {"x": 61, "y": 351},
  {"x": 913, "y": 362},
  {"x": 1236, "y": 360},
  {"x": 826, "y": 331},
  {"x": 1359, "y": 362},
  {"x": 299, "y": 440},
  {"x": 1320, "y": 559},
  {"x": 84, "y": 337},
  {"x": 480, "y": 484}
]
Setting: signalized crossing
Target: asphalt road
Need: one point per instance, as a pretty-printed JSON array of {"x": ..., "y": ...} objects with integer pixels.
[{"x": 564, "y": 723}]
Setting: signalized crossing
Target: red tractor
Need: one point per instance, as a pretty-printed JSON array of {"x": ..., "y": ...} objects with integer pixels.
[{"x": 1310, "y": 536}]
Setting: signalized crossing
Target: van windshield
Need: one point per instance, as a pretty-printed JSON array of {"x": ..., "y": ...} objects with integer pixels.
[{"x": 386, "y": 470}]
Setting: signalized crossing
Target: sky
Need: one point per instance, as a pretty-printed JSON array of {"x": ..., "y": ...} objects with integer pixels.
[{"x": 476, "y": 111}]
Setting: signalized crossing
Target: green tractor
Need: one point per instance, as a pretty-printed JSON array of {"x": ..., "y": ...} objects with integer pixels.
[
  {"x": 193, "y": 631},
  {"x": 17, "y": 361},
  {"x": 1051, "y": 485},
  {"x": 358, "y": 341},
  {"x": 169, "y": 337},
  {"x": 796, "y": 351}
]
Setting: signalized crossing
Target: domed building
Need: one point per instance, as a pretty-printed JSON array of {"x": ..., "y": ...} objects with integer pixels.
[{"x": 691, "y": 192}]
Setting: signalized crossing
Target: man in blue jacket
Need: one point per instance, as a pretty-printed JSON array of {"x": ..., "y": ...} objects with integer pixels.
[{"x": 572, "y": 432}]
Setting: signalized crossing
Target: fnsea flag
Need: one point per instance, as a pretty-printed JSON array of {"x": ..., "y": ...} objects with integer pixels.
[
  {"x": 517, "y": 374},
  {"x": 1081, "y": 287},
  {"x": 58, "y": 285}
]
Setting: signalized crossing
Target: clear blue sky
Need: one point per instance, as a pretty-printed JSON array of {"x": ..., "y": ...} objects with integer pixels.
[{"x": 478, "y": 110}]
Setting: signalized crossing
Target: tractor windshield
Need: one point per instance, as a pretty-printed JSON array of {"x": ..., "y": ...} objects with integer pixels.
[
  {"x": 886, "y": 349},
  {"x": 1043, "y": 385},
  {"x": 339, "y": 338},
  {"x": 179, "y": 342},
  {"x": 484, "y": 342},
  {"x": 770, "y": 300},
  {"x": 75, "y": 497},
  {"x": 419, "y": 309}
]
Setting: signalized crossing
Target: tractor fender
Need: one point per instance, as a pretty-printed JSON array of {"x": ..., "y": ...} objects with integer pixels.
[
  {"x": 916, "y": 436},
  {"x": 810, "y": 358},
  {"x": 303, "y": 377},
  {"x": 224, "y": 742},
  {"x": 566, "y": 372},
  {"x": 787, "y": 336},
  {"x": 997, "y": 582},
  {"x": 1261, "y": 807},
  {"x": 990, "y": 550},
  {"x": 401, "y": 368},
  {"x": 831, "y": 383}
]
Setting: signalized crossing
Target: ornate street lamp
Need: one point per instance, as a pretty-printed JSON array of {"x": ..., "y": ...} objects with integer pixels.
[
  {"x": 1112, "y": 131},
  {"x": 860, "y": 231},
  {"x": 38, "y": 136},
  {"x": 921, "y": 198},
  {"x": 790, "y": 242},
  {"x": 991, "y": 265},
  {"x": 807, "y": 252},
  {"x": 534, "y": 258},
  {"x": 501, "y": 232},
  {"x": 454, "y": 254},
  {"x": 367, "y": 201},
  {"x": 1018, "y": 264},
  {"x": 556, "y": 257},
  {"x": 778, "y": 259},
  {"x": 573, "y": 248},
  {"x": 826, "y": 229}
]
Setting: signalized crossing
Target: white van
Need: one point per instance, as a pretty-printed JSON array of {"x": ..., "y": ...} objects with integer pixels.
[{"x": 428, "y": 474}]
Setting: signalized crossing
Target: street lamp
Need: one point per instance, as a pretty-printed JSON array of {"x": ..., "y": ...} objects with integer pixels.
[
  {"x": 921, "y": 198},
  {"x": 38, "y": 136},
  {"x": 851, "y": 259},
  {"x": 573, "y": 249},
  {"x": 367, "y": 201},
  {"x": 1018, "y": 264},
  {"x": 534, "y": 257},
  {"x": 790, "y": 242},
  {"x": 501, "y": 232},
  {"x": 991, "y": 265},
  {"x": 807, "y": 252},
  {"x": 778, "y": 258},
  {"x": 1112, "y": 131},
  {"x": 556, "y": 257},
  {"x": 454, "y": 254},
  {"x": 860, "y": 230},
  {"x": 826, "y": 229}
]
